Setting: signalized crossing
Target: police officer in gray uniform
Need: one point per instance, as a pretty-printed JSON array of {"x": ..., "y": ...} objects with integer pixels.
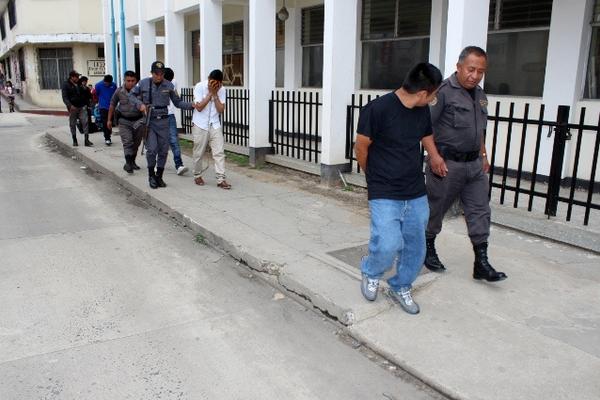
[
  {"x": 130, "y": 120},
  {"x": 157, "y": 92},
  {"x": 457, "y": 163}
]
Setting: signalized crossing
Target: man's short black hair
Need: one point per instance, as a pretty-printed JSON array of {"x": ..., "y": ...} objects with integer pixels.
[
  {"x": 73, "y": 73},
  {"x": 169, "y": 74},
  {"x": 83, "y": 78},
  {"x": 423, "y": 76},
  {"x": 108, "y": 78},
  {"x": 216, "y": 74},
  {"x": 467, "y": 51},
  {"x": 130, "y": 74}
]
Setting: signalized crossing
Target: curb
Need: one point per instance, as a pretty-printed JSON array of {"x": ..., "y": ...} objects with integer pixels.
[
  {"x": 282, "y": 276},
  {"x": 279, "y": 276}
]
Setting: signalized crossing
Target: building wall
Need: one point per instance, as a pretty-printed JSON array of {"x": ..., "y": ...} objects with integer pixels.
[
  {"x": 31, "y": 89},
  {"x": 61, "y": 16}
]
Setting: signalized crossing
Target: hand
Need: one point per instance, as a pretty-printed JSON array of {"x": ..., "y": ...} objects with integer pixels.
[
  {"x": 197, "y": 107},
  {"x": 486, "y": 164},
  {"x": 143, "y": 108},
  {"x": 109, "y": 124},
  {"x": 73, "y": 109},
  {"x": 438, "y": 165}
]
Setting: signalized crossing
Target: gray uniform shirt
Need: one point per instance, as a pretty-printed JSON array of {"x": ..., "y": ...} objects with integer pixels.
[
  {"x": 162, "y": 94},
  {"x": 458, "y": 119},
  {"x": 121, "y": 102}
]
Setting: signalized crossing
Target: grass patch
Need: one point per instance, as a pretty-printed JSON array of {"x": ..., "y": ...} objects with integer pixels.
[
  {"x": 200, "y": 239},
  {"x": 186, "y": 144},
  {"x": 239, "y": 159}
]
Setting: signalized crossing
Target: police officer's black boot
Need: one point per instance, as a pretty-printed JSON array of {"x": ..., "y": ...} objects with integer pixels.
[
  {"x": 87, "y": 141},
  {"x": 159, "y": 179},
  {"x": 432, "y": 261},
  {"x": 152, "y": 178},
  {"x": 75, "y": 144},
  {"x": 482, "y": 268},
  {"x": 133, "y": 164},
  {"x": 128, "y": 167}
]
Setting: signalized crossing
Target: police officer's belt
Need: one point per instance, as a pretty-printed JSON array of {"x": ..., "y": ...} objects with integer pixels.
[
  {"x": 130, "y": 118},
  {"x": 460, "y": 156}
]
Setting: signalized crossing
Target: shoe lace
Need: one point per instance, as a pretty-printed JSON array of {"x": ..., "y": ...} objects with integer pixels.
[
  {"x": 372, "y": 284},
  {"x": 407, "y": 297}
]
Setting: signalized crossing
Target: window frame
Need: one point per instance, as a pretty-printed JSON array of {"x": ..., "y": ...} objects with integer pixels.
[
  {"x": 12, "y": 13},
  {"x": 395, "y": 38},
  {"x": 496, "y": 29},
  {"x": 307, "y": 45},
  {"x": 2, "y": 26},
  {"x": 59, "y": 79},
  {"x": 594, "y": 25}
]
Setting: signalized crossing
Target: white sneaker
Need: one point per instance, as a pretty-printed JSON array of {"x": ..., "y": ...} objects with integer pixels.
[{"x": 182, "y": 170}]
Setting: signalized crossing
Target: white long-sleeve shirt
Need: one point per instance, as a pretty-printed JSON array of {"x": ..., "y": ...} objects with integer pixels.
[{"x": 209, "y": 115}]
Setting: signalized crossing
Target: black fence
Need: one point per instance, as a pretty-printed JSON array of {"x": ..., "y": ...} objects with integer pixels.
[
  {"x": 567, "y": 184},
  {"x": 352, "y": 113},
  {"x": 294, "y": 124},
  {"x": 516, "y": 147},
  {"x": 234, "y": 119}
]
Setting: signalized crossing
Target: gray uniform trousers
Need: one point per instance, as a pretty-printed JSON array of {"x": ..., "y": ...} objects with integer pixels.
[
  {"x": 157, "y": 142},
  {"x": 467, "y": 181},
  {"x": 131, "y": 135},
  {"x": 81, "y": 115}
]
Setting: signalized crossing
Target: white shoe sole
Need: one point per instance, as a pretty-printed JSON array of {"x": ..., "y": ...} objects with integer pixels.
[{"x": 182, "y": 170}]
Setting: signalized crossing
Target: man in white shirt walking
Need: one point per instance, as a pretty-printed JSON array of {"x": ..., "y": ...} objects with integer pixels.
[{"x": 209, "y": 104}]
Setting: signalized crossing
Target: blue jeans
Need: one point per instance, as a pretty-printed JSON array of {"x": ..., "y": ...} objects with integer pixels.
[
  {"x": 174, "y": 141},
  {"x": 397, "y": 234}
]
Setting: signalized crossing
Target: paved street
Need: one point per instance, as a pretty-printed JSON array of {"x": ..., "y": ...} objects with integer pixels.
[{"x": 101, "y": 297}]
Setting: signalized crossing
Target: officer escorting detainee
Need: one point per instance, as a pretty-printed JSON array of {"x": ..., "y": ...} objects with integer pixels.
[
  {"x": 156, "y": 92},
  {"x": 457, "y": 160},
  {"x": 130, "y": 120}
]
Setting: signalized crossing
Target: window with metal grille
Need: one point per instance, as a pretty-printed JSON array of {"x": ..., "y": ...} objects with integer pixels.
[
  {"x": 233, "y": 53},
  {"x": 395, "y": 36},
  {"x": 592, "y": 81},
  {"x": 55, "y": 65},
  {"x": 313, "y": 19},
  {"x": 12, "y": 14},
  {"x": 517, "y": 46},
  {"x": 2, "y": 27}
]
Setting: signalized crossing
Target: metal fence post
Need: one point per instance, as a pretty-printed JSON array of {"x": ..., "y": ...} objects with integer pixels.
[{"x": 561, "y": 135}]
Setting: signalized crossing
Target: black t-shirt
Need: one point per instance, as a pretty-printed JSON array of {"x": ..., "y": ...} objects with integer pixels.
[{"x": 394, "y": 165}]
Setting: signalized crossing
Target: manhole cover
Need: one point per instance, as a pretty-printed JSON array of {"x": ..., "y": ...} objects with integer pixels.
[{"x": 352, "y": 256}]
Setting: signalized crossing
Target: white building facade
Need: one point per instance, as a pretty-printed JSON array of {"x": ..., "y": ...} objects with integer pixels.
[
  {"x": 540, "y": 52},
  {"x": 41, "y": 41}
]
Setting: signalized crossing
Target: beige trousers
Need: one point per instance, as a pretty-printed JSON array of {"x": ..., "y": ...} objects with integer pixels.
[{"x": 213, "y": 138}]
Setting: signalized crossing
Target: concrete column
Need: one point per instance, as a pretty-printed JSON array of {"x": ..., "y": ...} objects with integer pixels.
[
  {"x": 339, "y": 68},
  {"x": 437, "y": 38},
  {"x": 108, "y": 57},
  {"x": 293, "y": 50},
  {"x": 566, "y": 63},
  {"x": 175, "y": 42},
  {"x": 147, "y": 43},
  {"x": 261, "y": 76},
  {"x": 130, "y": 48},
  {"x": 467, "y": 24},
  {"x": 211, "y": 36}
]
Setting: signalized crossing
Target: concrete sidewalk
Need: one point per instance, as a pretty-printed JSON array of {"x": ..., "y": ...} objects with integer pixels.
[{"x": 534, "y": 336}]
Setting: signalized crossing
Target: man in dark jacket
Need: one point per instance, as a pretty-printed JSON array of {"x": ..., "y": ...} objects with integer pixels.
[{"x": 76, "y": 101}]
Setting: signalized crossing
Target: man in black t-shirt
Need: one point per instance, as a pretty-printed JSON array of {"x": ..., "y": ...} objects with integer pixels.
[{"x": 390, "y": 131}]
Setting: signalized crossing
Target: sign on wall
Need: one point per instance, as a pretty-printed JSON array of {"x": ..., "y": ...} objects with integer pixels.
[{"x": 95, "y": 67}]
